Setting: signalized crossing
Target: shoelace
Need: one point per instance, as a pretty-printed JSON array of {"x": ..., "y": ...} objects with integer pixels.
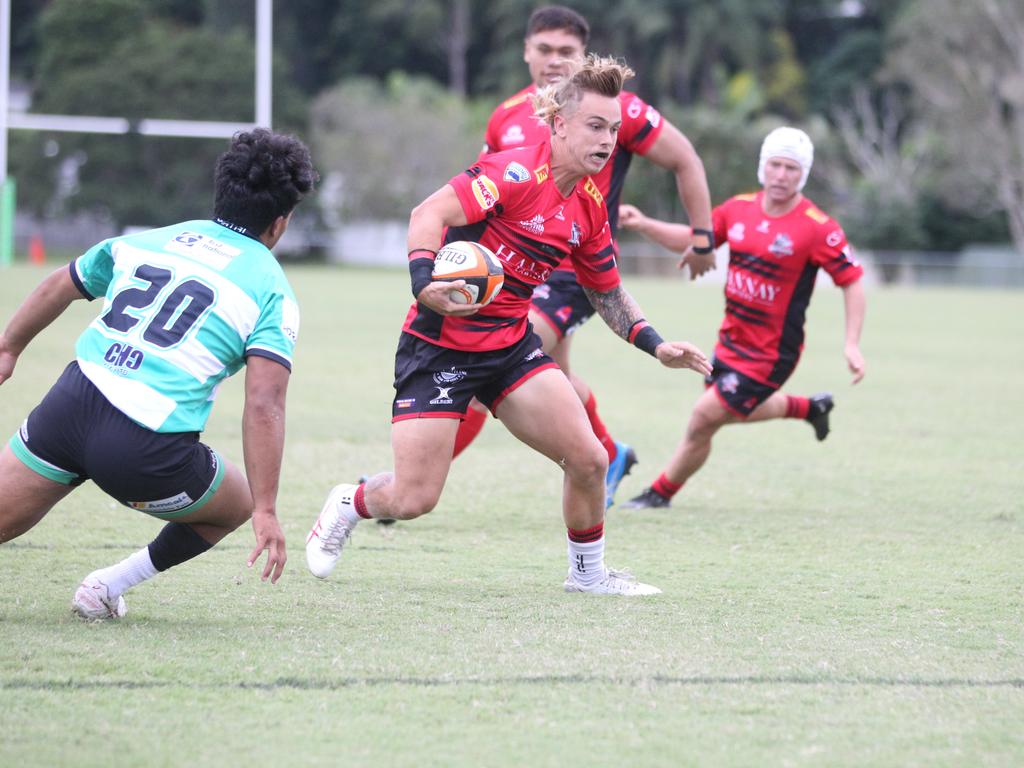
[{"x": 338, "y": 534}]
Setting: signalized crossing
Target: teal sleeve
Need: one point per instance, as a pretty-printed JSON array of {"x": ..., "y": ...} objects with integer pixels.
[
  {"x": 277, "y": 329},
  {"x": 95, "y": 269}
]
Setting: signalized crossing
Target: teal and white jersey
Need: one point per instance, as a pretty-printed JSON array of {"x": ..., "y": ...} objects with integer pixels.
[{"x": 183, "y": 307}]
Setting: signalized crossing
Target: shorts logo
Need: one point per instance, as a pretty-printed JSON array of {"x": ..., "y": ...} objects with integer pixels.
[
  {"x": 729, "y": 383},
  {"x": 407, "y": 402},
  {"x": 533, "y": 355},
  {"x": 737, "y": 232},
  {"x": 542, "y": 173},
  {"x": 513, "y": 135},
  {"x": 635, "y": 108},
  {"x": 516, "y": 173},
  {"x": 834, "y": 238},
  {"x": 563, "y": 314},
  {"x": 485, "y": 192},
  {"x": 170, "y": 504},
  {"x": 534, "y": 225},
  {"x": 452, "y": 376},
  {"x": 542, "y": 291},
  {"x": 782, "y": 246},
  {"x": 443, "y": 396},
  {"x": 23, "y": 431}
]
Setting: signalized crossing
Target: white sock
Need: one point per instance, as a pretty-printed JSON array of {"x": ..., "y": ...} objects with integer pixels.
[
  {"x": 586, "y": 561},
  {"x": 133, "y": 570},
  {"x": 348, "y": 511}
]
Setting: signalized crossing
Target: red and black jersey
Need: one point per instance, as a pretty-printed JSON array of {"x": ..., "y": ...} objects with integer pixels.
[
  {"x": 513, "y": 125},
  {"x": 773, "y": 263},
  {"x": 514, "y": 208}
]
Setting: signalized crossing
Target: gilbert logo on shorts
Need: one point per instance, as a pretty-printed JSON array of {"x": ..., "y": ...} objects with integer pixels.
[
  {"x": 485, "y": 192},
  {"x": 158, "y": 506},
  {"x": 443, "y": 396}
]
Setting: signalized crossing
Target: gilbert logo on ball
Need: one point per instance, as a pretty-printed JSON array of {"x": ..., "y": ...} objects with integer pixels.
[{"x": 474, "y": 263}]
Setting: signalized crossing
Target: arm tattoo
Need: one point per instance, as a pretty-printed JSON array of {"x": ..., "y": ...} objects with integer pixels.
[{"x": 617, "y": 308}]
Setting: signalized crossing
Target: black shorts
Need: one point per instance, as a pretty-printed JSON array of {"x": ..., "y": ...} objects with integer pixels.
[
  {"x": 75, "y": 435},
  {"x": 438, "y": 382},
  {"x": 737, "y": 391},
  {"x": 563, "y": 302}
]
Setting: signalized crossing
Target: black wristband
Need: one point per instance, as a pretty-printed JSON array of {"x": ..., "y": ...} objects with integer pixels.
[
  {"x": 421, "y": 270},
  {"x": 704, "y": 249},
  {"x": 643, "y": 336}
]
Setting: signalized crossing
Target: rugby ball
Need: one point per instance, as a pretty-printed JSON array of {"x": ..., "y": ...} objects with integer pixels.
[{"x": 474, "y": 263}]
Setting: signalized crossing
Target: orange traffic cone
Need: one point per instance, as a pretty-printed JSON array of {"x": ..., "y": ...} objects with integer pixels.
[{"x": 36, "y": 251}]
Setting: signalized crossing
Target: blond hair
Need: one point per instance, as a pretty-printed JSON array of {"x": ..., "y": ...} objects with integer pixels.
[{"x": 594, "y": 74}]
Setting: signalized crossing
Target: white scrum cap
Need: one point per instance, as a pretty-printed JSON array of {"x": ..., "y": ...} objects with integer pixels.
[{"x": 790, "y": 143}]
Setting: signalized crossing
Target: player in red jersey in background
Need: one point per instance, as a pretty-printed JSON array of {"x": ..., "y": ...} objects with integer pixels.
[
  {"x": 555, "y": 36},
  {"x": 533, "y": 208},
  {"x": 777, "y": 241}
]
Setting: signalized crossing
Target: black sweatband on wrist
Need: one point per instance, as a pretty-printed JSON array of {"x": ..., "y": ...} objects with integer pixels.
[
  {"x": 643, "y": 336},
  {"x": 421, "y": 270},
  {"x": 704, "y": 249}
]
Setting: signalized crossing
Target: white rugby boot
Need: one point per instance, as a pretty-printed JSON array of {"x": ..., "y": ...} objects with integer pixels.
[
  {"x": 331, "y": 531},
  {"x": 93, "y": 601},
  {"x": 614, "y": 583}
]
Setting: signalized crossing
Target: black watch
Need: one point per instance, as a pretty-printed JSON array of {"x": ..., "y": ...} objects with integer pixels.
[{"x": 704, "y": 249}]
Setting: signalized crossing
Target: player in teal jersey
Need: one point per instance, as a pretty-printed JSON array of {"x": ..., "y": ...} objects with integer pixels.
[{"x": 184, "y": 307}]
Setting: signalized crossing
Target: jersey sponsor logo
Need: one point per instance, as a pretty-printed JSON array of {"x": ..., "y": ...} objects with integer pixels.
[
  {"x": 516, "y": 173},
  {"x": 120, "y": 355},
  {"x": 750, "y": 288},
  {"x": 522, "y": 266},
  {"x": 515, "y": 101},
  {"x": 781, "y": 246},
  {"x": 737, "y": 231},
  {"x": 653, "y": 117},
  {"x": 485, "y": 192},
  {"x": 542, "y": 173},
  {"x": 818, "y": 216},
  {"x": 574, "y": 235},
  {"x": 290, "y": 319},
  {"x": 635, "y": 108},
  {"x": 591, "y": 189},
  {"x": 452, "y": 376},
  {"x": 764, "y": 226},
  {"x": 513, "y": 135},
  {"x": 834, "y": 238},
  {"x": 560, "y": 214},
  {"x": 212, "y": 251},
  {"x": 534, "y": 225},
  {"x": 170, "y": 504},
  {"x": 849, "y": 256}
]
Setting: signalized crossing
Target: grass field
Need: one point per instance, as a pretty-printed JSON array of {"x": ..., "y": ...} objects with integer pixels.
[{"x": 855, "y": 602}]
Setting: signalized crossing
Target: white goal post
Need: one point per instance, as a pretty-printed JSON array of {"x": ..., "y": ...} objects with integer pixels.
[{"x": 203, "y": 129}]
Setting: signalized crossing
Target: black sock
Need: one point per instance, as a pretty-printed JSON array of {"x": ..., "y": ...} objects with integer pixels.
[{"x": 176, "y": 543}]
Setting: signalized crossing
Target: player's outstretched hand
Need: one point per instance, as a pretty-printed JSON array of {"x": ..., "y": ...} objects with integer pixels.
[
  {"x": 682, "y": 354},
  {"x": 699, "y": 263},
  {"x": 436, "y": 296},
  {"x": 855, "y": 361},
  {"x": 268, "y": 537}
]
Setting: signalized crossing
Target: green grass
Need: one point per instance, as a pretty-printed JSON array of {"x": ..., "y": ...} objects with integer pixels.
[{"x": 854, "y": 602}]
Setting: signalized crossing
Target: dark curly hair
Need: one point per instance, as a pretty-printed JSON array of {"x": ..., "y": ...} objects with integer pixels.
[
  {"x": 561, "y": 18},
  {"x": 262, "y": 176}
]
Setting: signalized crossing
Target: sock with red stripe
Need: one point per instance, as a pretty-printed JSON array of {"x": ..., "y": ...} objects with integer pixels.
[
  {"x": 599, "y": 428},
  {"x": 665, "y": 487},
  {"x": 797, "y": 407},
  {"x": 586, "y": 554},
  {"x": 469, "y": 428},
  {"x": 359, "y": 502}
]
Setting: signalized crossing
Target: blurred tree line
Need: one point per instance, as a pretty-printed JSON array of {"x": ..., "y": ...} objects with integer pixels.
[{"x": 916, "y": 106}]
